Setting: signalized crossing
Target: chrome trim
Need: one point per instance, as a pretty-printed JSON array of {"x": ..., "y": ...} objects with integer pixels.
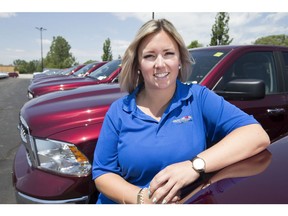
[
  {"x": 30, "y": 143},
  {"x": 23, "y": 133},
  {"x": 30, "y": 95},
  {"x": 28, "y": 159},
  {"x": 23, "y": 122},
  {"x": 25, "y": 199}
]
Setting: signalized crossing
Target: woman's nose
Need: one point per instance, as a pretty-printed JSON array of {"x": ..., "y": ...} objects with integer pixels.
[{"x": 159, "y": 62}]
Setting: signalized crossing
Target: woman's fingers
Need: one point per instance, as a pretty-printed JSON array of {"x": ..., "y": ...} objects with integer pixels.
[
  {"x": 169, "y": 192},
  {"x": 165, "y": 186},
  {"x": 158, "y": 181}
]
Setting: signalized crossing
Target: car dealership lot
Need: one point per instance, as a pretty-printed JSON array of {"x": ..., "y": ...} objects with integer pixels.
[
  {"x": 13, "y": 96},
  {"x": 68, "y": 122}
]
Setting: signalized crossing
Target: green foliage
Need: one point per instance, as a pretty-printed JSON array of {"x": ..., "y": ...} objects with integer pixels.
[
  {"x": 194, "y": 44},
  {"x": 89, "y": 61},
  {"x": 59, "y": 55},
  {"x": 107, "y": 53},
  {"x": 220, "y": 30},
  {"x": 27, "y": 67},
  {"x": 278, "y": 40}
]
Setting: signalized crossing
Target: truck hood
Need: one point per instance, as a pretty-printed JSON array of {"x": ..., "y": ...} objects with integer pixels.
[
  {"x": 60, "y": 81},
  {"x": 261, "y": 179},
  {"x": 48, "y": 78},
  {"x": 58, "y": 111}
]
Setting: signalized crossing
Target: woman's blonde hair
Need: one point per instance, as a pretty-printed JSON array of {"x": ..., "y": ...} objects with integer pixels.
[{"x": 129, "y": 77}]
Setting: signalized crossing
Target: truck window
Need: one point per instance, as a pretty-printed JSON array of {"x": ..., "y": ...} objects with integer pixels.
[
  {"x": 285, "y": 56},
  {"x": 254, "y": 65},
  {"x": 205, "y": 60}
]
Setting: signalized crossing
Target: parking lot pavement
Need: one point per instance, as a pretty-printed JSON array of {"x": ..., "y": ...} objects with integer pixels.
[
  {"x": 12, "y": 97},
  {"x": 25, "y": 76}
]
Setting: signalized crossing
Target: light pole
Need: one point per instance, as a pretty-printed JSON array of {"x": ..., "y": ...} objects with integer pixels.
[{"x": 41, "y": 29}]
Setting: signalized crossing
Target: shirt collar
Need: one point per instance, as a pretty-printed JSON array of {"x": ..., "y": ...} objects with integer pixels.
[{"x": 182, "y": 93}]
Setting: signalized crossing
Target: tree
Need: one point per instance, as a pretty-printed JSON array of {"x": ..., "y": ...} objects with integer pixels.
[
  {"x": 20, "y": 65},
  {"x": 220, "y": 30},
  {"x": 89, "y": 61},
  {"x": 27, "y": 67},
  {"x": 279, "y": 40},
  {"x": 194, "y": 44},
  {"x": 59, "y": 55},
  {"x": 107, "y": 53}
]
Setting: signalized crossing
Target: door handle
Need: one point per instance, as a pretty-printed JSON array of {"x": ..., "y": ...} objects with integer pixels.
[{"x": 276, "y": 111}]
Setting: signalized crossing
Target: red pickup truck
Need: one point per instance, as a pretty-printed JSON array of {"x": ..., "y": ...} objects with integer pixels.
[
  {"x": 95, "y": 73},
  {"x": 59, "y": 130}
]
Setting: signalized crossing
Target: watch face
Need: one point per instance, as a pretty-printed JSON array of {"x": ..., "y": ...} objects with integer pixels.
[{"x": 199, "y": 164}]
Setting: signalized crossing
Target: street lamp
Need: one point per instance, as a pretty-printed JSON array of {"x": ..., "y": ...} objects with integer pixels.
[{"x": 41, "y": 29}]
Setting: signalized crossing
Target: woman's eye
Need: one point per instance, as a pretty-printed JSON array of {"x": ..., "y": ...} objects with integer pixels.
[
  {"x": 149, "y": 56},
  {"x": 153, "y": 57},
  {"x": 169, "y": 54}
]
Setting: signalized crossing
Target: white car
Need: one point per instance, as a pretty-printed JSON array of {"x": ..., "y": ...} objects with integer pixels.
[
  {"x": 3, "y": 75},
  {"x": 36, "y": 73}
]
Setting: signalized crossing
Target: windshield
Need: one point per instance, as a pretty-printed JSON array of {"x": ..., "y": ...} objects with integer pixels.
[
  {"x": 67, "y": 71},
  {"x": 84, "y": 69},
  {"x": 106, "y": 70},
  {"x": 52, "y": 71},
  {"x": 205, "y": 60}
]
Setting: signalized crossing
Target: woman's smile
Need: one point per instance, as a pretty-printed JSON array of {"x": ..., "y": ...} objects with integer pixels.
[{"x": 161, "y": 75}]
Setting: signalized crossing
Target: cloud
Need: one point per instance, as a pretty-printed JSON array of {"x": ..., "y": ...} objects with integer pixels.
[
  {"x": 44, "y": 41},
  {"x": 7, "y": 15},
  {"x": 84, "y": 55},
  {"x": 244, "y": 27},
  {"x": 140, "y": 16},
  {"x": 10, "y": 54},
  {"x": 241, "y": 19},
  {"x": 14, "y": 50},
  {"x": 119, "y": 47},
  {"x": 191, "y": 25},
  {"x": 275, "y": 17}
]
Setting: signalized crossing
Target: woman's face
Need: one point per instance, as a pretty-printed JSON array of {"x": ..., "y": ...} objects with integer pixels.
[{"x": 159, "y": 61}]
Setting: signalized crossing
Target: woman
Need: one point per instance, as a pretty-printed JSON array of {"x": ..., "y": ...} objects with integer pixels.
[{"x": 165, "y": 134}]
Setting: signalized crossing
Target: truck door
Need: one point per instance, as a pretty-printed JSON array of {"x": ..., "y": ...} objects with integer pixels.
[{"x": 270, "y": 111}]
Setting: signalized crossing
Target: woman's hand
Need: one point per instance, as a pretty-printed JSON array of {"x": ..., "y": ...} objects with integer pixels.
[{"x": 165, "y": 186}]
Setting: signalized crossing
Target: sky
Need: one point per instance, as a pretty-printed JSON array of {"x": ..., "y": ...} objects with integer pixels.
[{"x": 86, "y": 30}]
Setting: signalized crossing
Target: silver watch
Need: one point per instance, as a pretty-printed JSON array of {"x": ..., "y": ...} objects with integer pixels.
[{"x": 198, "y": 164}]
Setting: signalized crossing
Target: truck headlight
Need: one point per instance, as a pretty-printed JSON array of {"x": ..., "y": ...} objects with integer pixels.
[
  {"x": 30, "y": 95},
  {"x": 62, "y": 158}
]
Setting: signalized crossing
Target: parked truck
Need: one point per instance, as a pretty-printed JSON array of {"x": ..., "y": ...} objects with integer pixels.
[{"x": 59, "y": 130}]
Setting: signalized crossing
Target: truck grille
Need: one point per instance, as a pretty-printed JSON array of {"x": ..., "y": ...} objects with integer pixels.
[
  {"x": 23, "y": 132},
  {"x": 28, "y": 142}
]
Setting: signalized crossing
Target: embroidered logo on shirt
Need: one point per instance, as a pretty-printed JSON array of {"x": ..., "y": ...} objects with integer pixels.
[{"x": 182, "y": 120}]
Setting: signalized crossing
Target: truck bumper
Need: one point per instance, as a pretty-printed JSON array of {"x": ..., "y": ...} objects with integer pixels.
[{"x": 25, "y": 199}]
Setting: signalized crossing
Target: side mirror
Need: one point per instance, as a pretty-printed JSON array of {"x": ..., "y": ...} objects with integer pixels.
[{"x": 243, "y": 89}]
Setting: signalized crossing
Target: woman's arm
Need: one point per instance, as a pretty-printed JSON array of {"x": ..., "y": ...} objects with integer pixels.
[
  {"x": 240, "y": 144},
  {"x": 245, "y": 168},
  {"x": 117, "y": 189}
]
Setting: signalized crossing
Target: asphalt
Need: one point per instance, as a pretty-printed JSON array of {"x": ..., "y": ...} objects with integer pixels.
[{"x": 12, "y": 98}]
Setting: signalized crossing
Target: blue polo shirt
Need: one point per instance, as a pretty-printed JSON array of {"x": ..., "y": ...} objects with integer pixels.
[{"x": 136, "y": 146}]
